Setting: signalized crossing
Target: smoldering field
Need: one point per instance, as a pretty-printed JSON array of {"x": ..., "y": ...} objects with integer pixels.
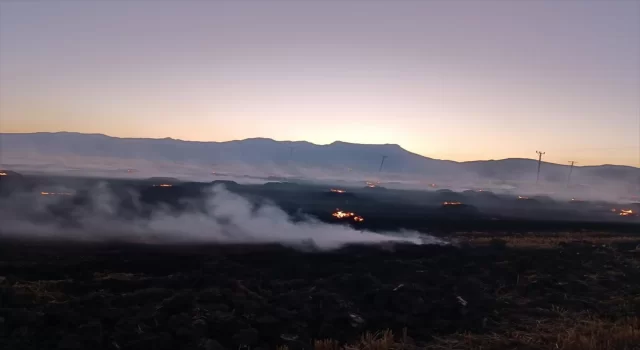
[
  {"x": 291, "y": 213},
  {"x": 216, "y": 216},
  {"x": 124, "y": 264}
]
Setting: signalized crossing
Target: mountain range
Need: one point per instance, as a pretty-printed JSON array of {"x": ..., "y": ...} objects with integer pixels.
[{"x": 268, "y": 156}]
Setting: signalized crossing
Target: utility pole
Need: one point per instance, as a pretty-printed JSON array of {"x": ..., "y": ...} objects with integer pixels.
[
  {"x": 570, "y": 170},
  {"x": 381, "y": 163},
  {"x": 539, "y": 162}
]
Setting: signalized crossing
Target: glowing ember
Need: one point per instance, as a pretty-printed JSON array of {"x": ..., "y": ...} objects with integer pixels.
[
  {"x": 338, "y": 191},
  {"x": 163, "y": 185},
  {"x": 371, "y": 184},
  {"x": 624, "y": 212},
  {"x": 346, "y": 214},
  {"x": 55, "y": 193},
  {"x": 451, "y": 203},
  {"x": 3, "y": 174},
  {"x": 342, "y": 214},
  {"x": 521, "y": 197}
]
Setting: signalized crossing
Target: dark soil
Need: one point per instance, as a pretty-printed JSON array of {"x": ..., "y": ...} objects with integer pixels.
[
  {"x": 62, "y": 295},
  {"x": 79, "y": 296}
]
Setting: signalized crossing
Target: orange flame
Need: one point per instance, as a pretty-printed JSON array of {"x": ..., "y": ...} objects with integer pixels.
[
  {"x": 163, "y": 185},
  {"x": 342, "y": 214},
  {"x": 451, "y": 203},
  {"x": 338, "y": 191},
  {"x": 3, "y": 174},
  {"x": 346, "y": 214},
  {"x": 624, "y": 212}
]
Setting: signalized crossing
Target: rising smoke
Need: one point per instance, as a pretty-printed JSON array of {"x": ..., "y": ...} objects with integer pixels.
[{"x": 226, "y": 218}]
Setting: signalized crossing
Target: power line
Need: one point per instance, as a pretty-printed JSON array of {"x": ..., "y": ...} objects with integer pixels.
[
  {"x": 592, "y": 148},
  {"x": 601, "y": 150},
  {"x": 539, "y": 162}
]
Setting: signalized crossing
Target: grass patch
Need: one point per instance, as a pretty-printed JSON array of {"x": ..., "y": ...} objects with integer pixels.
[
  {"x": 543, "y": 241},
  {"x": 563, "y": 334},
  {"x": 566, "y": 334},
  {"x": 42, "y": 291}
]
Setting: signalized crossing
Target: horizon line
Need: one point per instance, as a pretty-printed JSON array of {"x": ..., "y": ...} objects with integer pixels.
[{"x": 312, "y": 143}]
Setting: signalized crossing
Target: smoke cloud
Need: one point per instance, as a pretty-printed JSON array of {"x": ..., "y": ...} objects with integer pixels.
[{"x": 225, "y": 218}]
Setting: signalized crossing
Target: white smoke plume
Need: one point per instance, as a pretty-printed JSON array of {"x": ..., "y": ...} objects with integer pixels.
[{"x": 227, "y": 218}]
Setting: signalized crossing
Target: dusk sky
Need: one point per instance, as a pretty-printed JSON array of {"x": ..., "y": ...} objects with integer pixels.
[{"x": 455, "y": 80}]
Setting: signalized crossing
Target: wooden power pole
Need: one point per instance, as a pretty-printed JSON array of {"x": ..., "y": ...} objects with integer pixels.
[{"x": 382, "y": 163}]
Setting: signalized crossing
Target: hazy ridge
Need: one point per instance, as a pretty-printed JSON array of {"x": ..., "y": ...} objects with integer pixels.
[{"x": 293, "y": 157}]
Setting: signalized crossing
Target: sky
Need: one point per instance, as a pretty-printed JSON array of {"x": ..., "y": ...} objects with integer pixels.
[{"x": 461, "y": 80}]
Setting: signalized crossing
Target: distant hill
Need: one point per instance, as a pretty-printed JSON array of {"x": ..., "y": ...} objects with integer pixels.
[{"x": 263, "y": 153}]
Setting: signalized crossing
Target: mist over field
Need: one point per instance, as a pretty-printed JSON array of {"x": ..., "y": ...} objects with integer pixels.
[
  {"x": 225, "y": 217},
  {"x": 262, "y": 160}
]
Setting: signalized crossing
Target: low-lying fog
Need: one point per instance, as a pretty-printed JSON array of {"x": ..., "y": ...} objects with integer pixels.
[
  {"x": 259, "y": 161},
  {"x": 227, "y": 218}
]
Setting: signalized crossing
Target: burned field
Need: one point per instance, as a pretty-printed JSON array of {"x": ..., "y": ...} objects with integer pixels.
[
  {"x": 480, "y": 294},
  {"x": 499, "y": 282}
]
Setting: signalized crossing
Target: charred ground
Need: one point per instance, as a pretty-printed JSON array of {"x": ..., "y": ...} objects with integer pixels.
[
  {"x": 152, "y": 297},
  {"x": 501, "y": 282},
  {"x": 383, "y": 209}
]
